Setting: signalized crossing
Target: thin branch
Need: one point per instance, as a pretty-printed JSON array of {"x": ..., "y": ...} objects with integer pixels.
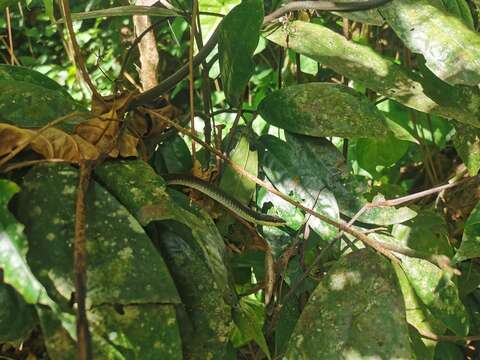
[
  {"x": 418, "y": 195},
  {"x": 77, "y": 53},
  {"x": 191, "y": 88},
  {"x": 84, "y": 341},
  {"x": 451, "y": 338}
]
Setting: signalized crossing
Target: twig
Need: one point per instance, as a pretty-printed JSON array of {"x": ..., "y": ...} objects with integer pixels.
[
  {"x": 193, "y": 30},
  {"x": 79, "y": 62},
  {"x": 80, "y": 263},
  {"x": 418, "y": 195},
  {"x": 451, "y": 338}
]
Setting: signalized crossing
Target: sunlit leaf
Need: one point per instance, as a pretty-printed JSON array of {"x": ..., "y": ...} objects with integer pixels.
[
  {"x": 467, "y": 144},
  {"x": 144, "y": 194},
  {"x": 356, "y": 312},
  {"x": 323, "y": 109},
  {"x": 249, "y": 325},
  {"x": 361, "y": 64},
  {"x": 325, "y": 176},
  {"x": 470, "y": 246},
  {"x": 123, "y": 265},
  {"x": 13, "y": 251},
  {"x": 450, "y": 47}
]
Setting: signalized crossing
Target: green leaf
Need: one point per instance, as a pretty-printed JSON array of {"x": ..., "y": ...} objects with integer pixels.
[
  {"x": 460, "y": 9},
  {"x": 418, "y": 315},
  {"x": 250, "y": 325},
  {"x": 467, "y": 144},
  {"x": 17, "y": 318},
  {"x": 20, "y": 73},
  {"x": 448, "y": 351},
  {"x": 451, "y": 49},
  {"x": 427, "y": 233},
  {"x": 356, "y": 312},
  {"x": 432, "y": 286},
  {"x": 285, "y": 167},
  {"x": 6, "y": 3},
  {"x": 172, "y": 156},
  {"x": 123, "y": 265},
  {"x": 13, "y": 251},
  {"x": 323, "y": 109},
  {"x": 210, "y": 316},
  {"x": 146, "y": 331},
  {"x": 383, "y": 152},
  {"x": 49, "y": 10},
  {"x": 419, "y": 349},
  {"x": 326, "y": 174},
  {"x": 144, "y": 194},
  {"x": 470, "y": 246},
  {"x": 29, "y": 105},
  {"x": 239, "y": 34},
  {"x": 238, "y": 185},
  {"x": 363, "y": 65}
]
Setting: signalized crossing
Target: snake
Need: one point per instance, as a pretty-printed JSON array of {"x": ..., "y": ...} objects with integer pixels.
[{"x": 223, "y": 199}]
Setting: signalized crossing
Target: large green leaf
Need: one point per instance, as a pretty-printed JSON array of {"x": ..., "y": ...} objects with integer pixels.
[
  {"x": 238, "y": 185},
  {"x": 172, "y": 156},
  {"x": 13, "y": 251},
  {"x": 428, "y": 234},
  {"x": 285, "y": 167},
  {"x": 361, "y": 64},
  {"x": 239, "y": 34},
  {"x": 452, "y": 50},
  {"x": 467, "y": 144},
  {"x": 418, "y": 314},
  {"x": 29, "y": 105},
  {"x": 461, "y": 9},
  {"x": 5, "y": 3},
  {"x": 470, "y": 246},
  {"x": 209, "y": 315},
  {"x": 384, "y": 151},
  {"x": 20, "y": 73},
  {"x": 124, "y": 269},
  {"x": 249, "y": 325},
  {"x": 123, "y": 265},
  {"x": 144, "y": 194},
  {"x": 356, "y": 312},
  {"x": 131, "y": 332},
  {"x": 326, "y": 174},
  {"x": 17, "y": 318},
  {"x": 323, "y": 109}
]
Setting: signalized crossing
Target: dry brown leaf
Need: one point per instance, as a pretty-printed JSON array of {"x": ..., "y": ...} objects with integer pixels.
[
  {"x": 13, "y": 136},
  {"x": 100, "y": 131},
  {"x": 127, "y": 144}
]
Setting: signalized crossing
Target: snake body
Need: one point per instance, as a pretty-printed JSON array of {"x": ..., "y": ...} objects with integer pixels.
[{"x": 224, "y": 199}]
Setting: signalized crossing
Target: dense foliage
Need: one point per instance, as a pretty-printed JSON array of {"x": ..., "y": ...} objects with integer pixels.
[{"x": 360, "y": 130}]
